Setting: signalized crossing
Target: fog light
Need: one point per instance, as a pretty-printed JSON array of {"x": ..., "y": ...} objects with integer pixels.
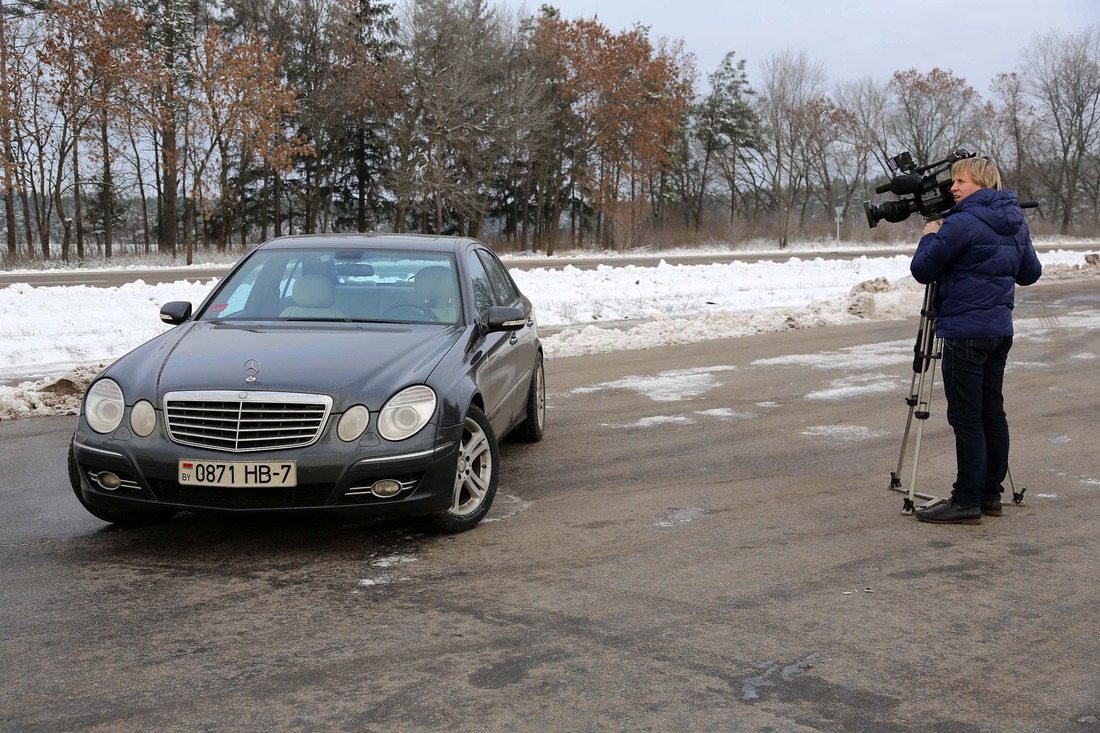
[
  {"x": 108, "y": 480},
  {"x": 385, "y": 489}
]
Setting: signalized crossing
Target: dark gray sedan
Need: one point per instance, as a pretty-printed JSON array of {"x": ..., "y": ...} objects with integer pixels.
[{"x": 368, "y": 374}]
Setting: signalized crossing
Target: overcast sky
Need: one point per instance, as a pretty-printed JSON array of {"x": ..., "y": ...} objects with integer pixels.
[{"x": 852, "y": 38}]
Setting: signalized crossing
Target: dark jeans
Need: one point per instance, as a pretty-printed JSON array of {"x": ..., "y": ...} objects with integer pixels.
[{"x": 973, "y": 376}]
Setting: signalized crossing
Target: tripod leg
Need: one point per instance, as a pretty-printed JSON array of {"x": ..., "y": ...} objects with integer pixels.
[
  {"x": 1017, "y": 498},
  {"x": 911, "y": 400},
  {"x": 922, "y": 412},
  {"x": 924, "y": 356},
  {"x": 926, "y": 352}
]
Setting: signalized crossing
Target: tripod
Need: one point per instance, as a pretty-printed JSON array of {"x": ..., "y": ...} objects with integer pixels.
[{"x": 926, "y": 352}]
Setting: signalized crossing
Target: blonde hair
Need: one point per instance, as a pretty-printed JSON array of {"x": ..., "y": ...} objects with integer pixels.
[{"x": 980, "y": 170}]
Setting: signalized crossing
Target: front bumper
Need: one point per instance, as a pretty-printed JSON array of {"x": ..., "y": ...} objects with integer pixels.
[{"x": 333, "y": 476}]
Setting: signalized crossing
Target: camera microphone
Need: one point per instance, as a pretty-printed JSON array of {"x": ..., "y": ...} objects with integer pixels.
[{"x": 901, "y": 185}]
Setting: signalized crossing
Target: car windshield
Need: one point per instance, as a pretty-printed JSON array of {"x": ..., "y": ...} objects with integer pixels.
[{"x": 359, "y": 285}]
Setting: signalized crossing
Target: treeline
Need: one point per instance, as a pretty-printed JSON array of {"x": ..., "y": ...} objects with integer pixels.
[{"x": 171, "y": 125}]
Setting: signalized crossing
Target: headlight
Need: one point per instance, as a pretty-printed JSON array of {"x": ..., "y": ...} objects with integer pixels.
[
  {"x": 352, "y": 423},
  {"x": 103, "y": 406},
  {"x": 143, "y": 418},
  {"x": 406, "y": 413}
]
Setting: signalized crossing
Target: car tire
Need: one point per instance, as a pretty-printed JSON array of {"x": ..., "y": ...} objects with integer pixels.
[
  {"x": 534, "y": 423},
  {"x": 476, "y": 476},
  {"x": 122, "y": 518}
]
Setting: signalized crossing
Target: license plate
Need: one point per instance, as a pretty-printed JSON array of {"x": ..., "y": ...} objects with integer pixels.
[{"x": 238, "y": 474}]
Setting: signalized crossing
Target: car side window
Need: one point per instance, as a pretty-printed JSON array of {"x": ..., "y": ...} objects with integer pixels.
[
  {"x": 483, "y": 288},
  {"x": 505, "y": 289}
]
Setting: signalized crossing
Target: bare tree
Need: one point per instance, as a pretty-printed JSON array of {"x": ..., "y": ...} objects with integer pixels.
[
  {"x": 791, "y": 86},
  {"x": 237, "y": 111},
  {"x": 868, "y": 104},
  {"x": 7, "y": 151},
  {"x": 1062, "y": 74},
  {"x": 934, "y": 114},
  {"x": 1014, "y": 133}
]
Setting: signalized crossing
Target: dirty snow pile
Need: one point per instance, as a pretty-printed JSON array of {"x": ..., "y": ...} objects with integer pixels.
[{"x": 59, "y": 338}]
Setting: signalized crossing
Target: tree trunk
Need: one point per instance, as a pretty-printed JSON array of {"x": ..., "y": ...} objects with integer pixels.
[
  {"x": 168, "y": 215},
  {"x": 108, "y": 193},
  {"x": 697, "y": 212},
  {"x": 141, "y": 190},
  {"x": 276, "y": 203},
  {"x": 361, "y": 179},
  {"x": 264, "y": 193},
  {"x": 78, "y": 208},
  {"x": 223, "y": 180},
  {"x": 27, "y": 216},
  {"x": 6, "y": 136},
  {"x": 66, "y": 222}
]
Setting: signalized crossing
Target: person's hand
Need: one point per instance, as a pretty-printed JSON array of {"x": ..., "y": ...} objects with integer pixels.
[{"x": 932, "y": 227}]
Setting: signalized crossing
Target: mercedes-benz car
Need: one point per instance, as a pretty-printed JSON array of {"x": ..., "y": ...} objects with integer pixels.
[{"x": 359, "y": 374}]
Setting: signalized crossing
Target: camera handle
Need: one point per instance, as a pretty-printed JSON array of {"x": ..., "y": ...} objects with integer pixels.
[
  {"x": 943, "y": 214},
  {"x": 927, "y": 351}
]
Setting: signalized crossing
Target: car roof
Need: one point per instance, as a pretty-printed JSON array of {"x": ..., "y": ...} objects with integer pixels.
[{"x": 420, "y": 242}]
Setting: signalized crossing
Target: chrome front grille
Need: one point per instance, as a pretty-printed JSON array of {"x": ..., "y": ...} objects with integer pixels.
[{"x": 245, "y": 421}]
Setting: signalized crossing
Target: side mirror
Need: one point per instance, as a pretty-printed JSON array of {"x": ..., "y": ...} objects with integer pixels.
[
  {"x": 506, "y": 318},
  {"x": 175, "y": 312}
]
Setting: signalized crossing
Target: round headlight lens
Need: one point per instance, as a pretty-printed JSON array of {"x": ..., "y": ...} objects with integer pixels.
[
  {"x": 352, "y": 423},
  {"x": 406, "y": 413},
  {"x": 143, "y": 418},
  {"x": 104, "y": 405}
]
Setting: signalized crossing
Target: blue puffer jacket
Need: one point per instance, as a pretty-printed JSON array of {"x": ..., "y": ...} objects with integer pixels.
[{"x": 979, "y": 255}]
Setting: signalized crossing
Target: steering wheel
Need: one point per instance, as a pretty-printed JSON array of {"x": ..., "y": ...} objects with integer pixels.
[{"x": 418, "y": 307}]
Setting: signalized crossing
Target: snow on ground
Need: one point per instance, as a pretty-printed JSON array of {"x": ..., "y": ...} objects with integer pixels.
[{"x": 53, "y": 340}]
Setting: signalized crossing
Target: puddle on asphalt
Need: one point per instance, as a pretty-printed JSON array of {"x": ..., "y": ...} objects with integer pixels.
[
  {"x": 382, "y": 570},
  {"x": 725, "y": 413},
  {"x": 652, "y": 421},
  {"x": 774, "y": 673},
  {"x": 505, "y": 506},
  {"x": 844, "y": 433},
  {"x": 681, "y": 516}
]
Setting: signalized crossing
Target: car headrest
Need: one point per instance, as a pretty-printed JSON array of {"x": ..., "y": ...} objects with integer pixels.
[
  {"x": 314, "y": 291},
  {"x": 435, "y": 283}
]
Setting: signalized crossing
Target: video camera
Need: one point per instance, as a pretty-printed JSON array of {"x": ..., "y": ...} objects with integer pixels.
[{"x": 927, "y": 187}]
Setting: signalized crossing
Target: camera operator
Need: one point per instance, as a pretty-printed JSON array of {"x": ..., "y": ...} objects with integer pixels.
[{"x": 977, "y": 255}]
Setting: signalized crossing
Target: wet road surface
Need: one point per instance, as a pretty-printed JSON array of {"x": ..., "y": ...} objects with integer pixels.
[{"x": 704, "y": 541}]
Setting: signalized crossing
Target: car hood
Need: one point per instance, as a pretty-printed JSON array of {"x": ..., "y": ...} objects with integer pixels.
[{"x": 351, "y": 362}]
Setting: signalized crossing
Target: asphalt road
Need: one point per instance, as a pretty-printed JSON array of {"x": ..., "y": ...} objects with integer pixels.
[{"x": 704, "y": 541}]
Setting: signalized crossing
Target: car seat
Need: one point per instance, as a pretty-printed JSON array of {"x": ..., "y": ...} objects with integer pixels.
[
  {"x": 314, "y": 297},
  {"x": 436, "y": 287}
]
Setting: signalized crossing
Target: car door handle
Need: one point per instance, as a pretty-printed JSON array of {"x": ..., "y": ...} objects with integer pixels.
[{"x": 514, "y": 338}]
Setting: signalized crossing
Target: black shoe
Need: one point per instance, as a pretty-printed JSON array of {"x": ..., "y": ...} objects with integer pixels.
[
  {"x": 951, "y": 513},
  {"x": 991, "y": 507}
]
